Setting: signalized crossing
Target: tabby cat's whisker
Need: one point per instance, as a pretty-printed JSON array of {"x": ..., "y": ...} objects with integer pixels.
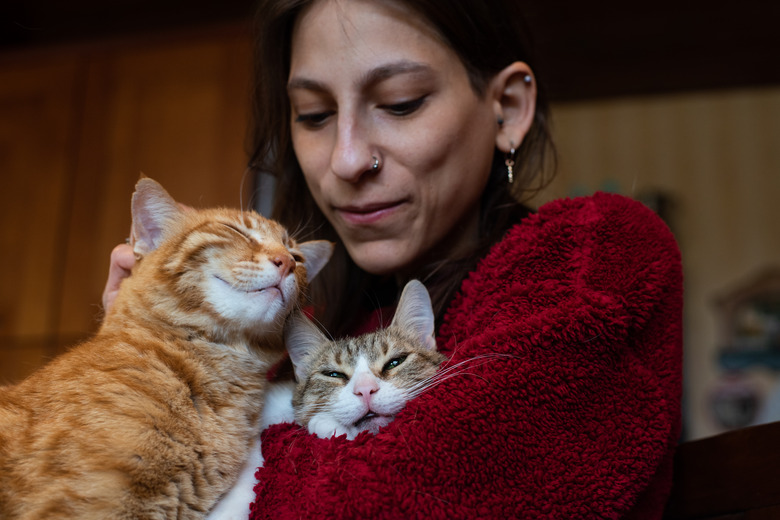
[{"x": 451, "y": 371}]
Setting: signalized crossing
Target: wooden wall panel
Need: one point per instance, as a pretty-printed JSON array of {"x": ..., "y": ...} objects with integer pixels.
[
  {"x": 77, "y": 128},
  {"x": 38, "y": 117},
  {"x": 176, "y": 113}
]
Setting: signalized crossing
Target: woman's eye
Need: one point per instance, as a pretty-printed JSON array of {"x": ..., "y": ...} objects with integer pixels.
[
  {"x": 313, "y": 120},
  {"x": 393, "y": 363},
  {"x": 405, "y": 108}
]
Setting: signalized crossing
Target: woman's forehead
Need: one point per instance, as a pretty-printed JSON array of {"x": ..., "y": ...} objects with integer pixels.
[{"x": 360, "y": 37}]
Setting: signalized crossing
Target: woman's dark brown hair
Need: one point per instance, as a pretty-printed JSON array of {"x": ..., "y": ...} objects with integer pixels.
[{"x": 487, "y": 35}]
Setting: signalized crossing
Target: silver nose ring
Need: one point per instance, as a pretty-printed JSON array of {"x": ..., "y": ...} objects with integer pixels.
[{"x": 375, "y": 165}]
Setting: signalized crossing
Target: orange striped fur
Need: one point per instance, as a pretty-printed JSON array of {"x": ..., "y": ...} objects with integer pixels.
[{"x": 154, "y": 416}]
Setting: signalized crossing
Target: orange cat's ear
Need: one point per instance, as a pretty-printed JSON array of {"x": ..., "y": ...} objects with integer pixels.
[
  {"x": 316, "y": 254},
  {"x": 302, "y": 338},
  {"x": 153, "y": 212},
  {"x": 415, "y": 313}
]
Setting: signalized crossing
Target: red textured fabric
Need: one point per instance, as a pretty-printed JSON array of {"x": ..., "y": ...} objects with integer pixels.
[{"x": 574, "y": 413}]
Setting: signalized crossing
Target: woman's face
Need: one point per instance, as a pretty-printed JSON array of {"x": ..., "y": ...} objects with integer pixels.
[{"x": 368, "y": 80}]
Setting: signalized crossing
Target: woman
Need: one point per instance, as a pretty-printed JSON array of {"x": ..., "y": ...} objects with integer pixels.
[
  {"x": 406, "y": 131},
  {"x": 443, "y": 143}
]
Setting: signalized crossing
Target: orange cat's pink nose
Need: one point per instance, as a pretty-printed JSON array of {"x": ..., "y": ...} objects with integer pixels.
[{"x": 285, "y": 263}]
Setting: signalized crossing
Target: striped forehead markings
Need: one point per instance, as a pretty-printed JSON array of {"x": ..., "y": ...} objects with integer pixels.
[
  {"x": 373, "y": 347},
  {"x": 253, "y": 228}
]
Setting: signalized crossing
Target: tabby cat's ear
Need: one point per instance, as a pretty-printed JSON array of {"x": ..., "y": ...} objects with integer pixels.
[
  {"x": 302, "y": 338},
  {"x": 153, "y": 211},
  {"x": 415, "y": 314},
  {"x": 316, "y": 254}
]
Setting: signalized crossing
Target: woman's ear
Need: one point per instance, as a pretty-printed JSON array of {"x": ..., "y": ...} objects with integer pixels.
[{"x": 514, "y": 100}]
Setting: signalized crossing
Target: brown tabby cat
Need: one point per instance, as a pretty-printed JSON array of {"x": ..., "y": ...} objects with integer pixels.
[
  {"x": 360, "y": 384},
  {"x": 348, "y": 386},
  {"x": 154, "y": 417}
]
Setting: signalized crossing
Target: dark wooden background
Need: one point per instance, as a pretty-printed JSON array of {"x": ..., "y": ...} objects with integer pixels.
[{"x": 585, "y": 49}]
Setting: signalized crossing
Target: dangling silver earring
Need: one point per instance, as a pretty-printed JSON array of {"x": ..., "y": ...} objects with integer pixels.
[{"x": 510, "y": 165}]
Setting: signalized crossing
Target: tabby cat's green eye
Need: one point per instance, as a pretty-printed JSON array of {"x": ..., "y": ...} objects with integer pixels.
[
  {"x": 393, "y": 363},
  {"x": 335, "y": 374}
]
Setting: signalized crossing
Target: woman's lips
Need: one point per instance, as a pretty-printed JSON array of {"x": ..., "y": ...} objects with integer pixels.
[{"x": 365, "y": 214}]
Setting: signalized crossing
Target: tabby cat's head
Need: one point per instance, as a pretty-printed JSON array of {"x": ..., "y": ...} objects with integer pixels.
[
  {"x": 360, "y": 384},
  {"x": 222, "y": 270}
]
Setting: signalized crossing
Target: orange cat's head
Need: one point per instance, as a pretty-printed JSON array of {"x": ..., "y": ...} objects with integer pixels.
[{"x": 222, "y": 271}]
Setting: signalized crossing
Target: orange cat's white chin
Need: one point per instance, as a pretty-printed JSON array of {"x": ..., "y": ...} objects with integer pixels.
[
  {"x": 254, "y": 288},
  {"x": 253, "y": 305}
]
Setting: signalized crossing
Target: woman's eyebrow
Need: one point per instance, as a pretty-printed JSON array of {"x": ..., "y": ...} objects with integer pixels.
[
  {"x": 305, "y": 84},
  {"x": 370, "y": 78},
  {"x": 388, "y": 70}
]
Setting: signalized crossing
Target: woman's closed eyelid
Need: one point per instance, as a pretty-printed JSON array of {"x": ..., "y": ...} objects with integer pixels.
[
  {"x": 316, "y": 119},
  {"x": 309, "y": 108},
  {"x": 404, "y": 107},
  {"x": 313, "y": 119}
]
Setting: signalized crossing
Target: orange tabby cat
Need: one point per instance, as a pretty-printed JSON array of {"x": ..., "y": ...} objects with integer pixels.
[{"x": 154, "y": 417}]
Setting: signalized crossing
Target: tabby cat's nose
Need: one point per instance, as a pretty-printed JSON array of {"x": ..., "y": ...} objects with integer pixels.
[{"x": 365, "y": 386}]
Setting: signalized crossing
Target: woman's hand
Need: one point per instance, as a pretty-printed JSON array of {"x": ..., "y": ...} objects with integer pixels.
[{"x": 122, "y": 261}]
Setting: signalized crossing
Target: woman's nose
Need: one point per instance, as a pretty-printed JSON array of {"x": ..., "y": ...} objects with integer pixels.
[{"x": 351, "y": 157}]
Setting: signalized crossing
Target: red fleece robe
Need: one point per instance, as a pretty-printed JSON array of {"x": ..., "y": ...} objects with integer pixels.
[{"x": 567, "y": 405}]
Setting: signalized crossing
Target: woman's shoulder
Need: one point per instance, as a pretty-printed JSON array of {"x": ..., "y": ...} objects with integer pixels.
[
  {"x": 605, "y": 225},
  {"x": 601, "y": 247},
  {"x": 601, "y": 211},
  {"x": 590, "y": 260}
]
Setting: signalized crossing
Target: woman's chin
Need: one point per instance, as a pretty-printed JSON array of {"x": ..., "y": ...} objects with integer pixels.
[{"x": 379, "y": 259}]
